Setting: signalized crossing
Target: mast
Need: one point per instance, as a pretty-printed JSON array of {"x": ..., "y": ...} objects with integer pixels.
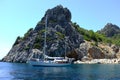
[
  {"x": 65, "y": 45},
  {"x": 44, "y": 51}
]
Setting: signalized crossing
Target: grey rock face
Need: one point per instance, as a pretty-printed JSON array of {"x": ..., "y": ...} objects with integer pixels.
[
  {"x": 110, "y": 30},
  {"x": 59, "y": 14},
  {"x": 59, "y": 27}
]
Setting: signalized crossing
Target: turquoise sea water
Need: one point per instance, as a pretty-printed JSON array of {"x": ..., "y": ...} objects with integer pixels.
[{"x": 18, "y": 71}]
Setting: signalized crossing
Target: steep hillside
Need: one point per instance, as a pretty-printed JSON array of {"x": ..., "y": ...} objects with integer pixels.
[
  {"x": 98, "y": 46},
  {"x": 110, "y": 30},
  {"x": 80, "y": 43},
  {"x": 59, "y": 27}
]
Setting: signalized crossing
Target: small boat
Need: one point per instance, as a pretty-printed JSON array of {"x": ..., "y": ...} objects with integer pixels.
[{"x": 50, "y": 61}]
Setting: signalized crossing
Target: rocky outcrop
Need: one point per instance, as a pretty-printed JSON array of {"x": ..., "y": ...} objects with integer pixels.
[
  {"x": 116, "y": 49},
  {"x": 88, "y": 51},
  {"x": 96, "y": 53},
  {"x": 59, "y": 27},
  {"x": 110, "y": 30}
]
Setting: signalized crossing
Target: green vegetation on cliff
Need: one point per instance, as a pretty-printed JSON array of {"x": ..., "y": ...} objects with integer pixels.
[
  {"x": 90, "y": 35},
  {"x": 58, "y": 27},
  {"x": 116, "y": 39}
]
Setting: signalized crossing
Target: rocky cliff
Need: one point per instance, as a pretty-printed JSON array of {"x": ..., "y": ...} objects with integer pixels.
[
  {"x": 81, "y": 44},
  {"x": 101, "y": 51},
  {"x": 110, "y": 30},
  {"x": 59, "y": 26}
]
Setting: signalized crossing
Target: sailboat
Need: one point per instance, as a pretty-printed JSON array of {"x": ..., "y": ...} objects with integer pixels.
[{"x": 50, "y": 61}]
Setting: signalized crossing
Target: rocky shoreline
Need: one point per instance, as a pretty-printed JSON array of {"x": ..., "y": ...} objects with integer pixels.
[{"x": 99, "y": 61}]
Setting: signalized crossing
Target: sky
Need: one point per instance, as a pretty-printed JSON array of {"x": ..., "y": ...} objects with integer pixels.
[{"x": 18, "y": 16}]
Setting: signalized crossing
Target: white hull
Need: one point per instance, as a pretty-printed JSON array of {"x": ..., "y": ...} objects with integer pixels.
[{"x": 47, "y": 64}]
